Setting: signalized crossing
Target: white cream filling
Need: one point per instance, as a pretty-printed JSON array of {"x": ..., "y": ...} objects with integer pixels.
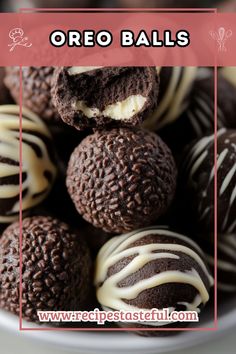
[{"x": 121, "y": 110}]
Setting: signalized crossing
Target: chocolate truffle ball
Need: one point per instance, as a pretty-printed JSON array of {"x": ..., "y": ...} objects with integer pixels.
[
  {"x": 38, "y": 162},
  {"x": 55, "y": 270},
  {"x": 89, "y": 97},
  {"x": 36, "y": 90},
  {"x": 226, "y": 260},
  {"x": 5, "y": 97},
  {"x": 152, "y": 268},
  {"x": 175, "y": 86},
  {"x": 198, "y": 174},
  {"x": 121, "y": 179}
]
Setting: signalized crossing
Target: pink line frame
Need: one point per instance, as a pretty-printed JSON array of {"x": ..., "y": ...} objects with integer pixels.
[
  {"x": 110, "y": 9},
  {"x": 92, "y": 329}
]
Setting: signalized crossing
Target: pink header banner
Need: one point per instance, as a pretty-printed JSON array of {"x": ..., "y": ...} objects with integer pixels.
[{"x": 118, "y": 38}]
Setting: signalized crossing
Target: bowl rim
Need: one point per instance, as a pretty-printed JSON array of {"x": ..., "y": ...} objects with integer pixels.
[{"x": 104, "y": 342}]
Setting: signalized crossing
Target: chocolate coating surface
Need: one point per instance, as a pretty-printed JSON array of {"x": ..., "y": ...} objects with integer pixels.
[
  {"x": 89, "y": 97},
  {"x": 36, "y": 90},
  {"x": 121, "y": 179},
  {"x": 56, "y": 268}
]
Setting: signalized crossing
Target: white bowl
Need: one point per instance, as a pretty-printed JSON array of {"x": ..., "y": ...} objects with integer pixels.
[{"x": 116, "y": 342}]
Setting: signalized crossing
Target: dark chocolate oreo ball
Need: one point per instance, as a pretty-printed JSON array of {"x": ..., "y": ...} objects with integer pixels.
[
  {"x": 121, "y": 179},
  {"x": 90, "y": 97},
  {"x": 36, "y": 90},
  {"x": 152, "y": 268},
  {"x": 198, "y": 174},
  {"x": 38, "y": 162},
  {"x": 200, "y": 113},
  {"x": 56, "y": 268}
]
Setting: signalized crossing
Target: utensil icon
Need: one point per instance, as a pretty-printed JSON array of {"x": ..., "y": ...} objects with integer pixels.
[
  {"x": 18, "y": 39},
  {"x": 221, "y": 36}
]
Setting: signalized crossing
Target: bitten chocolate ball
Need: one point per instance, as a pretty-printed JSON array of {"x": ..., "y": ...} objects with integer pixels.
[
  {"x": 89, "y": 97},
  {"x": 175, "y": 87},
  {"x": 198, "y": 181},
  {"x": 36, "y": 90},
  {"x": 55, "y": 270},
  {"x": 121, "y": 179},
  {"x": 152, "y": 268},
  {"x": 38, "y": 162}
]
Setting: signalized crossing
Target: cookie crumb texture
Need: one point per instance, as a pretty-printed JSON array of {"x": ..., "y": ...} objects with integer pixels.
[
  {"x": 36, "y": 90},
  {"x": 122, "y": 179},
  {"x": 89, "y": 97},
  {"x": 56, "y": 268}
]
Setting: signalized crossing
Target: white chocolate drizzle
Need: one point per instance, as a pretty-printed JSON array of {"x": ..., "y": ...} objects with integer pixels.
[
  {"x": 173, "y": 102},
  {"x": 110, "y": 295},
  {"x": 35, "y": 183},
  {"x": 201, "y": 111}
]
